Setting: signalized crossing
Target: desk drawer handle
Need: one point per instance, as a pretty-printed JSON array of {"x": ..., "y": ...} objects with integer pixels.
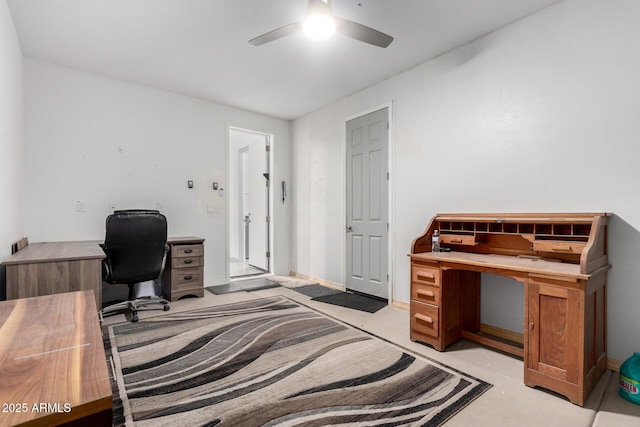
[
  {"x": 188, "y": 261},
  {"x": 426, "y": 276},
  {"x": 456, "y": 240},
  {"x": 428, "y": 294},
  {"x": 188, "y": 251},
  {"x": 188, "y": 277},
  {"x": 424, "y": 318}
]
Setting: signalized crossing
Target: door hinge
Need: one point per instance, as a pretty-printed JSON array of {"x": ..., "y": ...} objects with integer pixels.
[
  {"x": 268, "y": 254},
  {"x": 268, "y": 218},
  {"x": 267, "y": 148},
  {"x": 387, "y": 176}
]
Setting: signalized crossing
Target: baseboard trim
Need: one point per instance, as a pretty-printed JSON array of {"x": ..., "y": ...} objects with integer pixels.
[
  {"x": 315, "y": 279},
  {"x": 400, "y": 304},
  {"x": 614, "y": 364}
]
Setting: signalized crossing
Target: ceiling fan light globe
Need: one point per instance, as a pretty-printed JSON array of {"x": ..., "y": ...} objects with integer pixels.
[{"x": 319, "y": 26}]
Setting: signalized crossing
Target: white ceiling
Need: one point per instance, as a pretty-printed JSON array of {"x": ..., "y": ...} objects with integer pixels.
[{"x": 199, "y": 48}]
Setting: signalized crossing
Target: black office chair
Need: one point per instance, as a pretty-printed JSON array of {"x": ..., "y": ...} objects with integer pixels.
[{"x": 136, "y": 249}]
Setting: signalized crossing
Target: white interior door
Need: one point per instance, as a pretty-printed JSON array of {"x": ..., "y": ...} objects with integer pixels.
[
  {"x": 367, "y": 146},
  {"x": 249, "y": 239},
  {"x": 258, "y": 203}
]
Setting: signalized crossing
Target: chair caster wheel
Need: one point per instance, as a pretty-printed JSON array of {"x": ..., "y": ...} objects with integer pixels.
[
  {"x": 134, "y": 318},
  {"x": 166, "y": 308}
]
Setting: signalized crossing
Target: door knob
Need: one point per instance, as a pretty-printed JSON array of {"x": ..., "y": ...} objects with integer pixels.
[{"x": 349, "y": 229}]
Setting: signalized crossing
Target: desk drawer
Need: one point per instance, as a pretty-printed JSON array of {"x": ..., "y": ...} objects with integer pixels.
[
  {"x": 425, "y": 293},
  {"x": 559, "y": 246},
  {"x": 458, "y": 239},
  {"x": 187, "y": 251},
  {"x": 425, "y": 275},
  {"x": 424, "y": 318}
]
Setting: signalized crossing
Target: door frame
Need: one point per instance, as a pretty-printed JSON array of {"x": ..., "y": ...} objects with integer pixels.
[
  {"x": 390, "y": 211},
  {"x": 229, "y": 158}
]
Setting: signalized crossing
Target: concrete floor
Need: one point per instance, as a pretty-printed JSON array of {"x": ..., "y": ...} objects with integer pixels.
[{"x": 508, "y": 403}]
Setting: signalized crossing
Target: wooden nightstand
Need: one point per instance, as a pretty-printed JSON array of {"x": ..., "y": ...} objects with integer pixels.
[{"x": 184, "y": 269}]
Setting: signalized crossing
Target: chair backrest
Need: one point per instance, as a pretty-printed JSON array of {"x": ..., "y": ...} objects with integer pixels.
[
  {"x": 19, "y": 245},
  {"x": 134, "y": 243}
]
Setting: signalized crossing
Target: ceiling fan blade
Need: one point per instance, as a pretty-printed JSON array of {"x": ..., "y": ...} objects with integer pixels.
[
  {"x": 276, "y": 34},
  {"x": 362, "y": 32}
]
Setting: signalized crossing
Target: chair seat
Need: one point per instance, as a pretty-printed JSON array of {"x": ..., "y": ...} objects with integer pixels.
[{"x": 144, "y": 294}]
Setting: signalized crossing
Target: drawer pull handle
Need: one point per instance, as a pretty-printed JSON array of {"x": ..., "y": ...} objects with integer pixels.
[
  {"x": 426, "y": 276},
  {"x": 424, "y": 318},
  {"x": 428, "y": 294},
  {"x": 188, "y": 251},
  {"x": 188, "y": 277},
  {"x": 188, "y": 261},
  {"x": 456, "y": 240}
]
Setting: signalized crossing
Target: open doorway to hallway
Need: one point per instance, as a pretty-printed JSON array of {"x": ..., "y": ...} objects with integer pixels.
[{"x": 249, "y": 202}]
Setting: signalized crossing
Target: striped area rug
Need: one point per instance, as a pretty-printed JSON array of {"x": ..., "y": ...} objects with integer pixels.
[{"x": 274, "y": 362}]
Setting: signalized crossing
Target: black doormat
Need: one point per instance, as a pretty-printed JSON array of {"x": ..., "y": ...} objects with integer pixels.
[
  {"x": 354, "y": 301},
  {"x": 242, "y": 286}
]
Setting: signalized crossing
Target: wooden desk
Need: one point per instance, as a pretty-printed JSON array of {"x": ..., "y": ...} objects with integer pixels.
[
  {"x": 52, "y": 362},
  {"x": 562, "y": 261},
  {"x": 55, "y": 267}
]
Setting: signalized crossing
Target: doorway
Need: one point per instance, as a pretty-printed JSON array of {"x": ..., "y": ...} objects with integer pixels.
[
  {"x": 367, "y": 204},
  {"x": 249, "y": 203}
]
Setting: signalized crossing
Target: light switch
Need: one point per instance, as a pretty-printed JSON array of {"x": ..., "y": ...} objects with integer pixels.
[{"x": 190, "y": 183}]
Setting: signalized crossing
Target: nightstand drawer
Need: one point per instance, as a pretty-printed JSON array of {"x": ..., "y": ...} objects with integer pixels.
[
  {"x": 424, "y": 318},
  {"x": 187, "y": 251},
  {"x": 425, "y": 275},
  {"x": 425, "y": 293},
  {"x": 180, "y": 262},
  {"x": 190, "y": 276}
]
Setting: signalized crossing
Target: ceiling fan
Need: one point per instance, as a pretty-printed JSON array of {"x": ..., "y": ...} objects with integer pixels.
[{"x": 320, "y": 23}]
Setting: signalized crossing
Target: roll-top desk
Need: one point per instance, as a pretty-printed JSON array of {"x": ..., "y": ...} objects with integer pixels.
[{"x": 562, "y": 261}]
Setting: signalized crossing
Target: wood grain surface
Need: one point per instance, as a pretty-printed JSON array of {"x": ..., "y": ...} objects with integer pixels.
[{"x": 53, "y": 368}]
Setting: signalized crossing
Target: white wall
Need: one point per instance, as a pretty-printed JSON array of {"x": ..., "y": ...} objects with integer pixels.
[
  {"x": 11, "y": 138},
  {"x": 540, "y": 116},
  {"x": 100, "y": 140}
]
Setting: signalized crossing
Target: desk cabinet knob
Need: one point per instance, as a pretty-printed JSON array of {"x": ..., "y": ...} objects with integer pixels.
[
  {"x": 531, "y": 326},
  {"x": 188, "y": 251},
  {"x": 188, "y": 277},
  {"x": 188, "y": 261}
]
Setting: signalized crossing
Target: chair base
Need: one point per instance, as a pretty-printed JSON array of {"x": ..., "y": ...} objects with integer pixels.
[{"x": 140, "y": 295}]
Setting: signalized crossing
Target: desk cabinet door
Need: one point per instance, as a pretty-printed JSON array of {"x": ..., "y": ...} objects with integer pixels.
[{"x": 554, "y": 332}]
